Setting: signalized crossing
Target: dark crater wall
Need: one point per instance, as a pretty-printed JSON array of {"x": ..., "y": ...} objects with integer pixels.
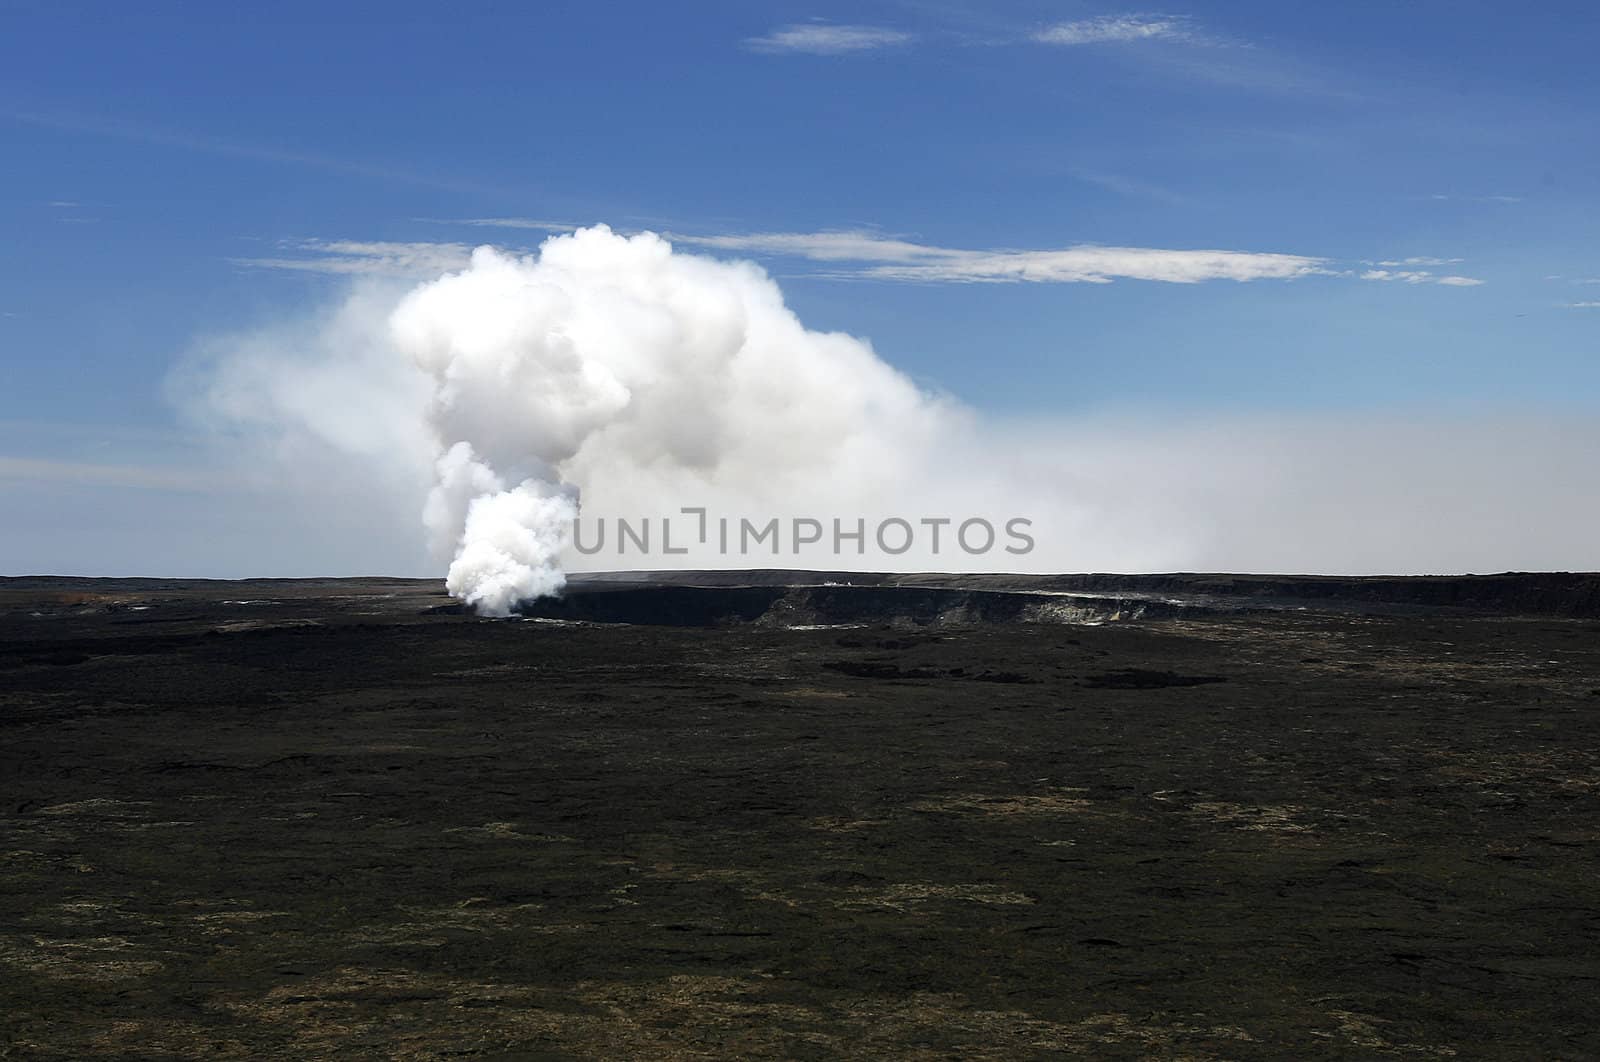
[
  {"x": 776, "y": 605},
  {"x": 699, "y": 598}
]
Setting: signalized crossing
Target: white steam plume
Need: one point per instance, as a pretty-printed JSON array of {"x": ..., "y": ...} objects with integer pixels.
[{"x": 615, "y": 363}]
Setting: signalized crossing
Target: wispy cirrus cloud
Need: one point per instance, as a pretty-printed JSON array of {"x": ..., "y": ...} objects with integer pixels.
[
  {"x": 1421, "y": 276},
  {"x": 60, "y": 205},
  {"x": 1589, "y": 305},
  {"x": 887, "y": 258},
  {"x": 1424, "y": 261},
  {"x": 1410, "y": 271},
  {"x": 1440, "y": 197},
  {"x": 882, "y": 257},
  {"x": 837, "y": 245},
  {"x": 1116, "y": 29},
  {"x": 532, "y": 224},
  {"x": 364, "y": 258},
  {"x": 862, "y": 254},
  {"x": 1179, "y": 46},
  {"x": 822, "y": 38}
]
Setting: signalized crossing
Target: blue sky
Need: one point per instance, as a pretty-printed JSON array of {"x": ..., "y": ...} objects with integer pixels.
[{"x": 1431, "y": 170}]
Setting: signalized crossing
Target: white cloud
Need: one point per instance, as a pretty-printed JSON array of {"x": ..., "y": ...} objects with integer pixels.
[
  {"x": 830, "y": 246},
  {"x": 1178, "y": 46},
  {"x": 1115, "y": 29},
  {"x": 1583, "y": 305},
  {"x": 533, "y": 224},
  {"x": 366, "y": 258},
  {"x": 1418, "y": 262},
  {"x": 825, "y": 39},
  {"x": 894, "y": 259},
  {"x": 858, "y": 254},
  {"x": 1476, "y": 198},
  {"x": 1101, "y": 265},
  {"x": 1420, "y": 276}
]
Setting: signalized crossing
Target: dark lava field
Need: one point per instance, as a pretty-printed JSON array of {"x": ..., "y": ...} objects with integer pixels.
[{"x": 1176, "y": 817}]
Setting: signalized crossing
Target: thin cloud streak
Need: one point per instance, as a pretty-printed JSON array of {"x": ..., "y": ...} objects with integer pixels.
[
  {"x": 366, "y": 258},
  {"x": 1102, "y": 265},
  {"x": 1421, "y": 276},
  {"x": 1115, "y": 29},
  {"x": 533, "y": 224},
  {"x": 1391, "y": 262},
  {"x": 825, "y": 39},
  {"x": 865, "y": 255},
  {"x": 1178, "y": 46},
  {"x": 894, "y": 259},
  {"x": 1442, "y": 198}
]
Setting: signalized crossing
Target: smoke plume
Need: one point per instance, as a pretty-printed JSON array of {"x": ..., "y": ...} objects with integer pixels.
[{"x": 603, "y": 362}]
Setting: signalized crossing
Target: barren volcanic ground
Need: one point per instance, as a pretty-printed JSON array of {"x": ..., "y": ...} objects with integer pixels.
[{"x": 931, "y": 820}]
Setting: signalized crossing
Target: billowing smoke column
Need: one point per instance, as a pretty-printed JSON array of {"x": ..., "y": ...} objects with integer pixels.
[
  {"x": 609, "y": 356},
  {"x": 507, "y": 541}
]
